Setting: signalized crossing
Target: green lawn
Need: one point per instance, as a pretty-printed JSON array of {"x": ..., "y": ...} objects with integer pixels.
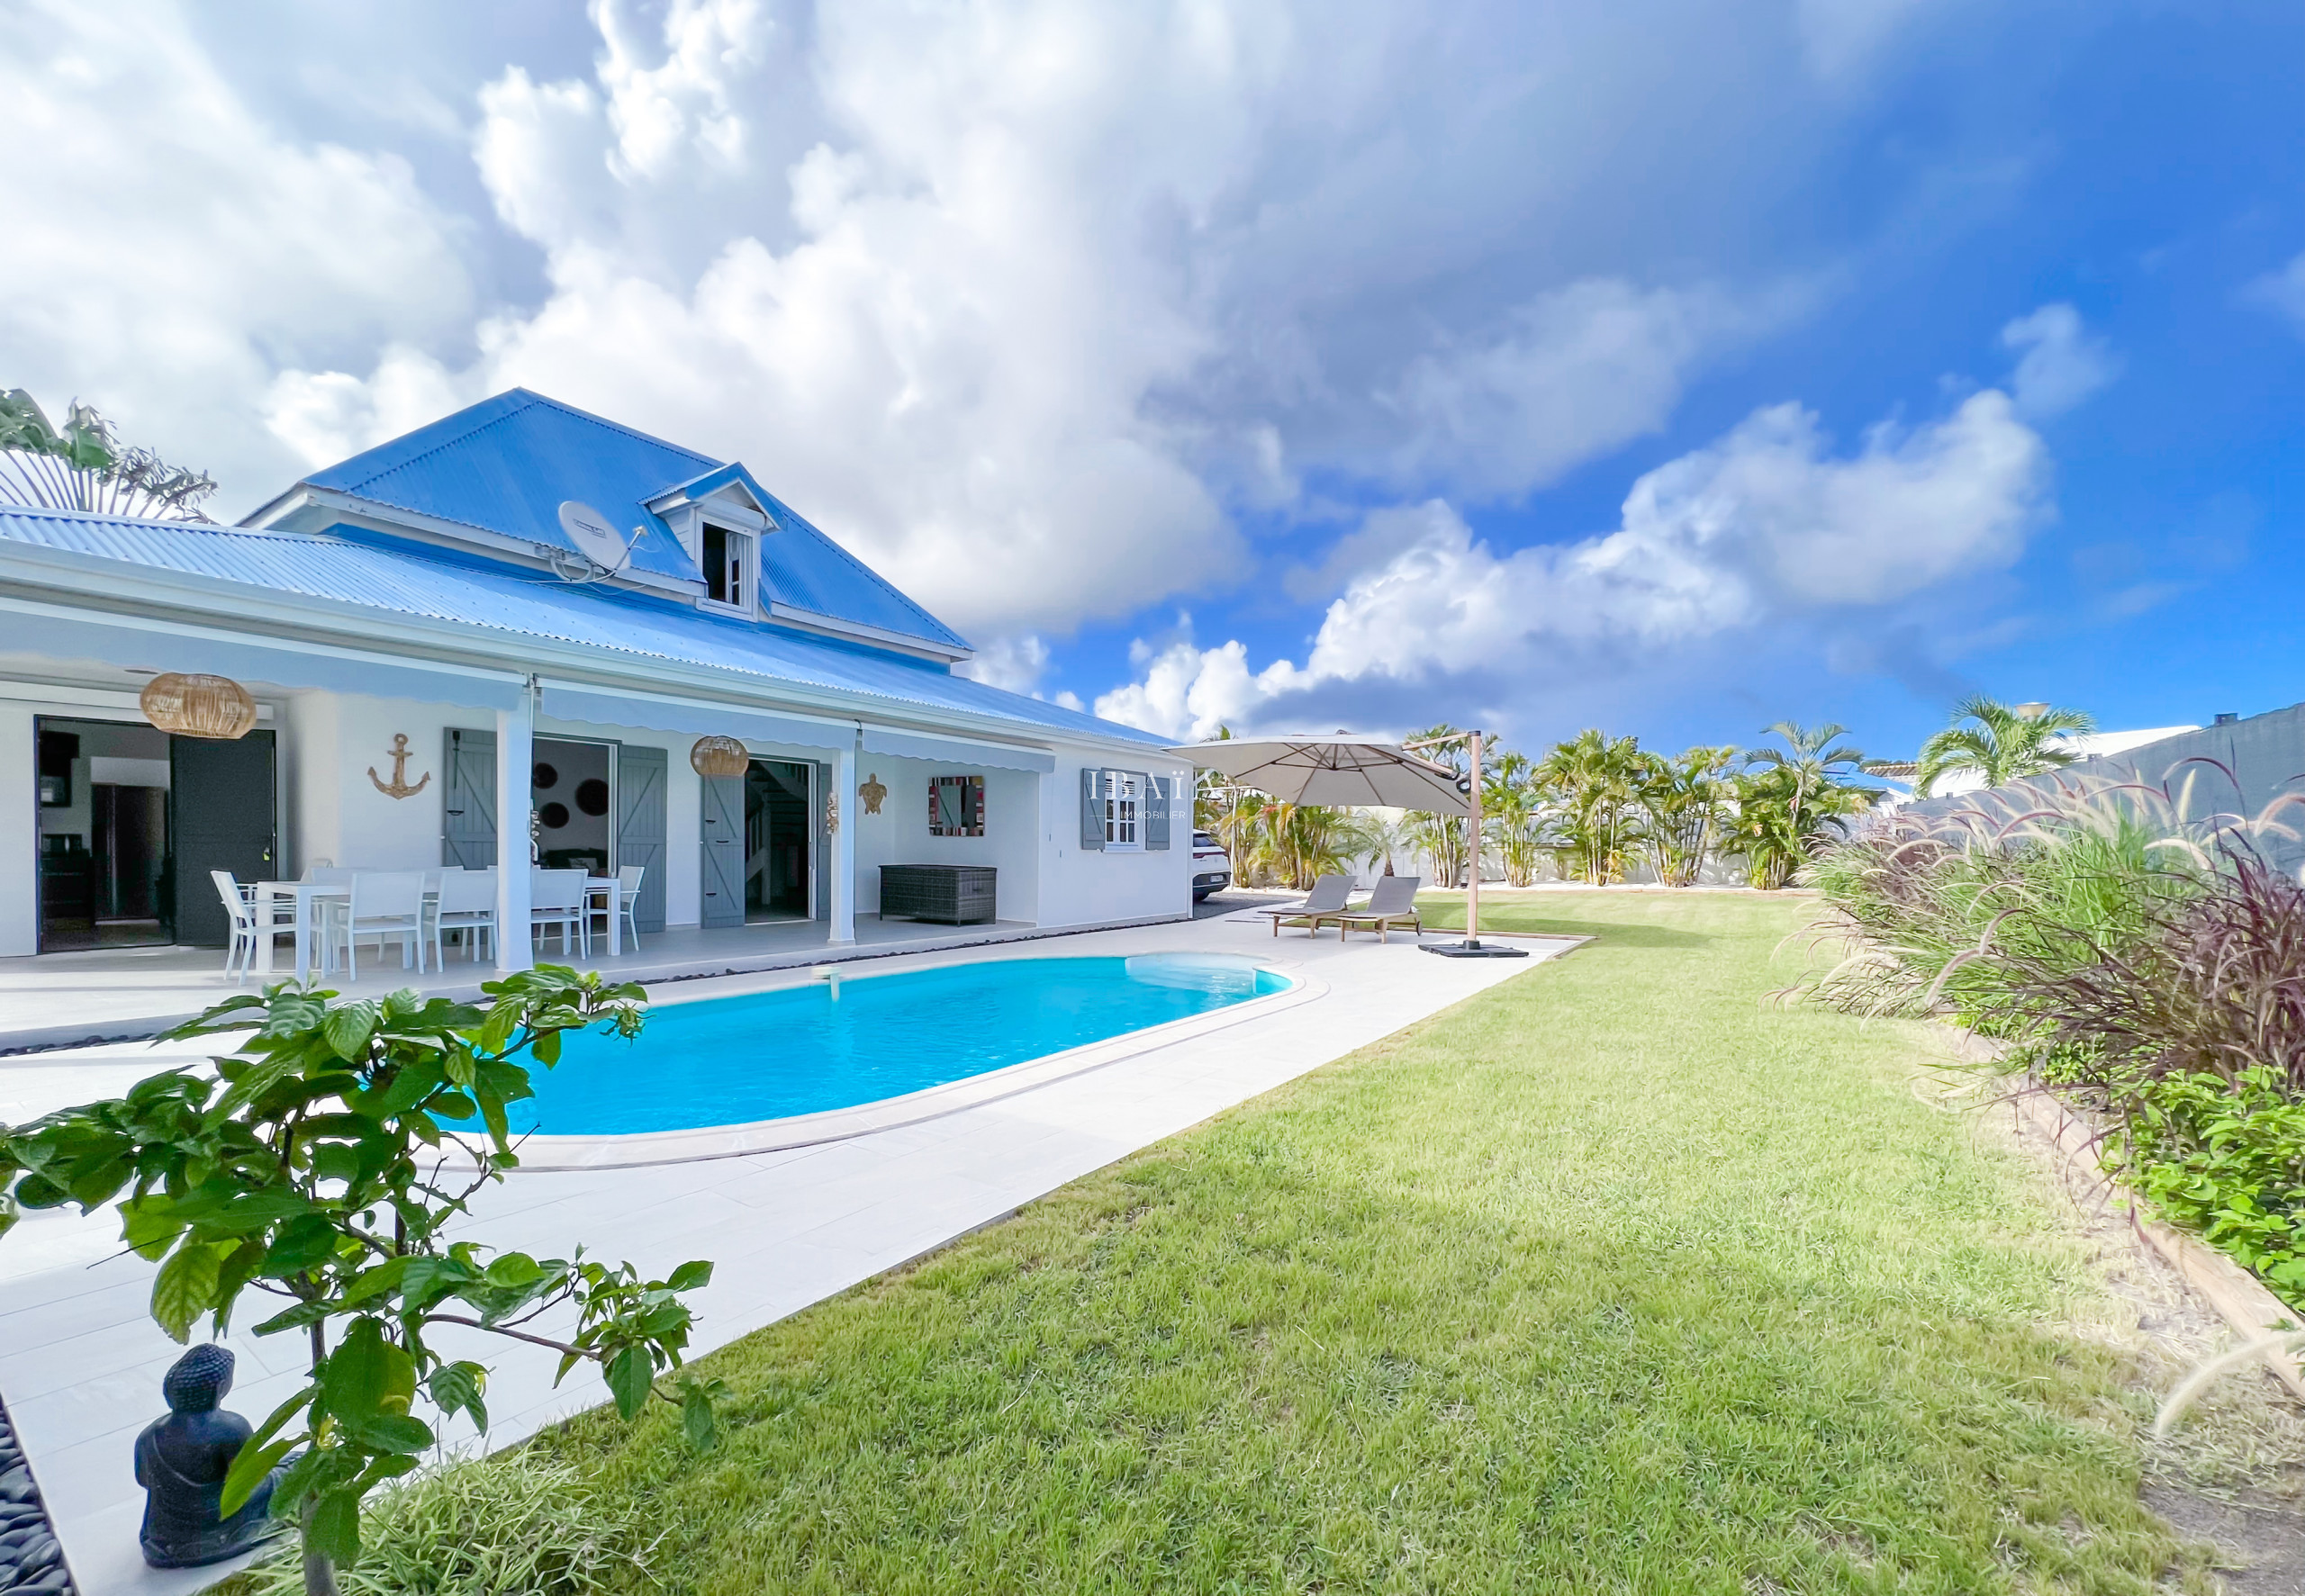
[{"x": 1616, "y": 1278}]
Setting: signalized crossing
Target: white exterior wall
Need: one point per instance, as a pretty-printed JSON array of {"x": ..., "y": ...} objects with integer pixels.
[
  {"x": 335, "y": 812},
  {"x": 898, "y": 833},
  {"x": 1081, "y": 886}
]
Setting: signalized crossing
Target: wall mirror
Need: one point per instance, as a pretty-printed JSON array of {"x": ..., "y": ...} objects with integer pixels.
[{"x": 956, "y": 807}]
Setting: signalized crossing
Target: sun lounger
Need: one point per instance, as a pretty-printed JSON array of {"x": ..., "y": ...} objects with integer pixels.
[
  {"x": 1391, "y": 902},
  {"x": 1329, "y": 895}
]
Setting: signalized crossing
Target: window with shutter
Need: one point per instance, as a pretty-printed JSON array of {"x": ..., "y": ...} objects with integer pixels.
[{"x": 1092, "y": 809}]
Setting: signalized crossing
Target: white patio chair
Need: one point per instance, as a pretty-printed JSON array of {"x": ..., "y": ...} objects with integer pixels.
[
  {"x": 466, "y": 903},
  {"x": 556, "y": 898},
  {"x": 381, "y": 904},
  {"x": 627, "y": 893},
  {"x": 239, "y": 907}
]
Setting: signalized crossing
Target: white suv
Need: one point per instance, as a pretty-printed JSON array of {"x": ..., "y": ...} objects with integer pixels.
[{"x": 1212, "y": 867}]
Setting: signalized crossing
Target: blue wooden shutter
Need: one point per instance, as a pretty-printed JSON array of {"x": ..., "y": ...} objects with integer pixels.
[
  {"x": 468, "y": 800},
  {"x": 640, "y": 777},
  {"x": 1156, "y": 812},
  {"x": 723, "y": 902},
  {"x": 1092, "y": 810}
]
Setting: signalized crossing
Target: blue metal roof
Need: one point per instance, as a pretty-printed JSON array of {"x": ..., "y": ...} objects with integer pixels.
[
  {"x": 507, "y": 464},
  {"x": 492, "y": 598}
]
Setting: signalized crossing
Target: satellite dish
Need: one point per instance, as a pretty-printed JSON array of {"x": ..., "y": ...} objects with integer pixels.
[{"x": 594, "y": 538}]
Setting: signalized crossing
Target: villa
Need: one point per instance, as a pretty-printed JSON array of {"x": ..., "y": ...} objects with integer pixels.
[{"x": 527, "y": 610}]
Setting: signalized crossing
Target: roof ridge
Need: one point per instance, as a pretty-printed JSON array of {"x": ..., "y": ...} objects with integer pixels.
[
  {"x": 530, "y": 399},
  {"x": 615, "y": 426},
  {"x": 468, "y": 433}
]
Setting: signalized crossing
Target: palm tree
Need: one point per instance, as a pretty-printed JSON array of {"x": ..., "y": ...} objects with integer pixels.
[
  {"x": 1382, "y": 838},
  {"x": 1778, "y": 825},
  {"x": 1514, "y": 811},
  {"x": 1811, "y": 758},
  {"x": 2003, "y": 743},
  {"x": 1688, "y": 805},
  {"x": 1596, "y": 779},
  {"x": 83, "y": 466}
]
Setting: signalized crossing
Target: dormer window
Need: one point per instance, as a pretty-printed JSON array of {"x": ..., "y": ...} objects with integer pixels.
[{"x": 727, "y": 559}]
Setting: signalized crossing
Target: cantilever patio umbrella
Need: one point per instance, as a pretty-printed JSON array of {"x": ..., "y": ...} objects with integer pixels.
[
  {"x": 1333, "y": 770},
  {"x": 1350, "y": 771}
]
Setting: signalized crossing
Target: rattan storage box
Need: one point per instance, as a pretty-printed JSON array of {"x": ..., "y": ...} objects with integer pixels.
[{"x": 955, "y": 894}]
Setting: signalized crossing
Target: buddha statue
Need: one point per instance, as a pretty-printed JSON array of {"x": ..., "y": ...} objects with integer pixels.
[{"x": 181, "y": 1462}]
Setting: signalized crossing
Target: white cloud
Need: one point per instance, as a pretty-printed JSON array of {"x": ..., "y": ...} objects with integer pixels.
[
  {"x": 2062, "y": 363},
  {"x": 168, "y": 249},
  {"x": 2282, "y": 292},
  {"x": 686, "y": 102},
  {"x": 1022, "y": 300},
  {"x": 1765, "y": 523},
  {"x": 933, "y": 371},
  {"x": 1025, "y": 302},
  {"x": 1579, "y": 372},
  {"x": 1014, "y": 663}
]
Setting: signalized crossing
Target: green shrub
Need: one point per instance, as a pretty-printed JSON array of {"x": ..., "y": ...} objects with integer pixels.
[
  {"x": 2155, "y": 961},
  {"x": 2226, "y": 1159},
  {"x": 1953, "y": 914},
  {"x": 518, "y": 1522}
]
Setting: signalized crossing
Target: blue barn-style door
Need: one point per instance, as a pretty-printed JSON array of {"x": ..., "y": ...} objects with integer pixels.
[
  {"x": 724, "y": 851},
  {"x": 640, "y": 778},
  {"x": 468, "y": 800}
]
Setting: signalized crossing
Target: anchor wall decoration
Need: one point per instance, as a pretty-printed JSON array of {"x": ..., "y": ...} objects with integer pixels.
[{"x": 398, "y": 789}]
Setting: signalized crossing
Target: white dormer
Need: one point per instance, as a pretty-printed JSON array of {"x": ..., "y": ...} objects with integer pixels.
[{"x": 722, "y": 531}]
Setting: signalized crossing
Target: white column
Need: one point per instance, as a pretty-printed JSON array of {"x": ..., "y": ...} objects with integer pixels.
[
  {"x": 515, "y": 757},
  {"x": 842, "y": 801},
  {"x": 20, "y": 865}
]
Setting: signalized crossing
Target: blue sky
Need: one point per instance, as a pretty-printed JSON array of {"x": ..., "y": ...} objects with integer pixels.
[{"x": 1661, "y": 366}]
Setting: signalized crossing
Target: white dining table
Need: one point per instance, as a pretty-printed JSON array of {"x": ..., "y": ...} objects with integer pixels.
[
  {"x": 607, "y": 889},
  {"x": 299, "y": 897}
]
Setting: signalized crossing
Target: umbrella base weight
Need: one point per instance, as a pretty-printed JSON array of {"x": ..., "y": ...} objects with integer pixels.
[{"x": 1473, "y": 950}]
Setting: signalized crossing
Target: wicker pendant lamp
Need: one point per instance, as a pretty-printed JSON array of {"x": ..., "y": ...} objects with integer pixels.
[
  {"x": 718, "y": 757},
  {"x": 195, "y": 706}
]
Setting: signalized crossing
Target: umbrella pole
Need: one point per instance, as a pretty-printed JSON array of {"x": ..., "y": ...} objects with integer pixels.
[{"x": 1472, "y": 851}]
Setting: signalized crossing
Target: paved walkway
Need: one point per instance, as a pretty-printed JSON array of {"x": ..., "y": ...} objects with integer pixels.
[{"x": 80, "y": 1360}]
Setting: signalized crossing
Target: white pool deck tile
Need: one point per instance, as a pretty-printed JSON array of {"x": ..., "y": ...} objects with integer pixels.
[{"x": 80, "y": 1360}]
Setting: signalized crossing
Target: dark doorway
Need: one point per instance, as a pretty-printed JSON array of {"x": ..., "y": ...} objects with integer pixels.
[
  {"x": 569, "y": 786},
  {"x": 220, "y": 818},
  {"x": 776, "y": 840},
  {"x": 105, "y": 879}
]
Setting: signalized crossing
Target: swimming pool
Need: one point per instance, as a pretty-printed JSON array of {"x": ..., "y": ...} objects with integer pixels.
[{"x": 768, "y": 1055}]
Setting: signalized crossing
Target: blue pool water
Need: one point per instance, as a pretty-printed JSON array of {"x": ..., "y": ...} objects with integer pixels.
[{"x": 731, "y": 1060}]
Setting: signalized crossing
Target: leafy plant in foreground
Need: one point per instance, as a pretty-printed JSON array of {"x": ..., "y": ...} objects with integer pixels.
[
  {"x": 521, "y": 1521},
  {"x": 321, "y": 1165}
]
